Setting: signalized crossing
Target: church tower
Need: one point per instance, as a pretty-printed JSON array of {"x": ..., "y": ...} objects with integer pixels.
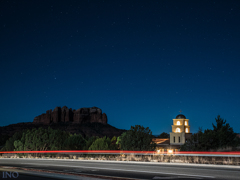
[{"x": 180, "y": 130}]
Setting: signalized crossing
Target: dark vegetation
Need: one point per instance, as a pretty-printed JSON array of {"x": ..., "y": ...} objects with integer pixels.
[
  {"x": 42, "y": 139},
  {"x": 3, "y": 139},
  {"x": 164, "y": 135},
  {"x": 137, "y": 138},
  {"x": 85, "y": 129},
  {"x": 220, "y": 137}
]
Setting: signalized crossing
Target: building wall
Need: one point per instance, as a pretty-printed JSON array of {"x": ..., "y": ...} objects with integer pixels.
[
  {"x": 182, "y": 124},
  {"x": 181, "y": 127},
  {"x": 177, "y": 135}
]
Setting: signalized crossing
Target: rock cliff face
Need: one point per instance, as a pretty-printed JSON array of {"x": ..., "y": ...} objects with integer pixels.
[{"x": 80, "y": 116}]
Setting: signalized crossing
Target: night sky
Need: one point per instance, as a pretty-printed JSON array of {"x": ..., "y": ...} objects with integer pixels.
[{"x": 141, "y": 62}]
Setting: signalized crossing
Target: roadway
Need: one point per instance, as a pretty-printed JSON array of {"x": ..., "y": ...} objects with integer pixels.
[{"x": 133, "y": 170}]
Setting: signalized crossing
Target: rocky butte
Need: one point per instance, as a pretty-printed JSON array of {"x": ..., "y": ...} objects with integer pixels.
[
  {"x": 80, "y": 116},
  {"x": 85, "y": 121}
]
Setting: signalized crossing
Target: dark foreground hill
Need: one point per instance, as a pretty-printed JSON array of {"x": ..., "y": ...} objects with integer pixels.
[{"x": 86, "y": 129}]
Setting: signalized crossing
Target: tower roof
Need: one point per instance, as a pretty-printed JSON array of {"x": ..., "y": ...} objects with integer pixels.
[{"x": 180, "y": 116}]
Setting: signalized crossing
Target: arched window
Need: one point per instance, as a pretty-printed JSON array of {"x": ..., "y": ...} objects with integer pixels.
[
  {"x": 178, "y": 122},
  {"x": 177, "y": 129},
  {"x": 186, "y": 130},
  {"x": 185, "y": 123}
]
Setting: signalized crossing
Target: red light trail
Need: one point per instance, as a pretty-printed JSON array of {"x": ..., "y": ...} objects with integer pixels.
[{"x": 197, "y": 153}]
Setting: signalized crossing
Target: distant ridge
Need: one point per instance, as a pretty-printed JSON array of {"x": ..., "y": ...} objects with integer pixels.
[{"x": 84, "y": 121}]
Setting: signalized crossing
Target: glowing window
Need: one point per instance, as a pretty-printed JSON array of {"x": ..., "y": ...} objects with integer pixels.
[
  {"x": 177, "y": 129},
  {"x": 186, "y": 130},
  {"x": 185, "y": 123},
  {"x": 178, "y": 122}
]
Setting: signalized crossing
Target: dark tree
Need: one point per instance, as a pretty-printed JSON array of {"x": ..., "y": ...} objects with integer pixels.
[
  {"x": 137, "y": 138},
  {"x": 221, "y": 136},
  {"x": 75, "y": 142},
  {"x": 224, "y": 134},
  {"x": 164, "y": 135},
  {"x": 9, "y": 145},
  {"x": 101, "y": 144},
  {"x": 3, "y": 140},
  {"x": 42, "y": 139},
  {"x": 89, "y": 141}
]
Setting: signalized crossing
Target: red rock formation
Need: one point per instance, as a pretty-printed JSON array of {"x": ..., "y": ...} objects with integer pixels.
[
  {"x": 104, "y": 118},
  {"x": 82, "y": 115}
]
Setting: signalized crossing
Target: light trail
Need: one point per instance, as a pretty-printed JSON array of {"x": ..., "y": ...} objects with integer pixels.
[
  {"x": 83, "y": 152},
  {"x": 179, "y": 153}
]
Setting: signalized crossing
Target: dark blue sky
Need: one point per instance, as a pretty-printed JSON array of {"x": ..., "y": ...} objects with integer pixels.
[{"x": 139, "y": 61}]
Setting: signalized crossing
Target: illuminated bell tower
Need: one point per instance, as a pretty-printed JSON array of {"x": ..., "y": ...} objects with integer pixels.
[{"x": 180, "y": 130}]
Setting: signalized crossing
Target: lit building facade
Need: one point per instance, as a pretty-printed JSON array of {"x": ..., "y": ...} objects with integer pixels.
[
  {"x": 180, "y": 130},
  {"x": 179, "y": 135}
]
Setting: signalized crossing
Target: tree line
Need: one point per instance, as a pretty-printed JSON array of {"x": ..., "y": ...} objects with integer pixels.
[
  {"x": 137, "y": 138},
  {"x": 221, "y": 136}
]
